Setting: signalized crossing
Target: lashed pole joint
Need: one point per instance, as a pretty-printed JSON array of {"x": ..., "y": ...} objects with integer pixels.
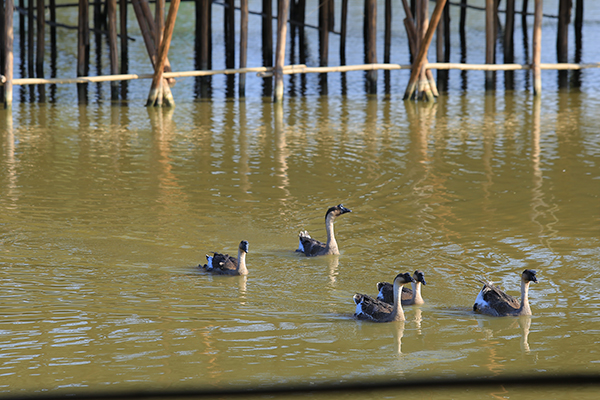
[
  {"x": 155, "y": 89},
  {"x": 419, "y": 61}
]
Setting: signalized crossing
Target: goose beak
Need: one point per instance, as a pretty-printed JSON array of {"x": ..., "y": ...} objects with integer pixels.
[{"x": 344, "y": 210}]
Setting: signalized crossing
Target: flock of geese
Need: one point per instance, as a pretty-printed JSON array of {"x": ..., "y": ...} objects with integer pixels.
[{"x": 391, "y": 296}]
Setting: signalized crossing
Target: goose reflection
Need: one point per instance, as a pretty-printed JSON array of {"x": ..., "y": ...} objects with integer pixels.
[{"x": 495, "y": 327}]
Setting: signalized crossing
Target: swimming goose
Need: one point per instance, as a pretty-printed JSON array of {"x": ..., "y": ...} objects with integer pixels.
[
  {"x": 375, "y": 310},
  {"x": 493, "y": 301},
  {"x": 409, "y": 296},
  {"x": 311, "y": 247},
  {"x": 224, "y": 264}
]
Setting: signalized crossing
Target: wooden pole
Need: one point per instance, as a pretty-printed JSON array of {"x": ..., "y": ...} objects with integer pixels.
[
  {"x": 280, "y": 49},
  {"x": 387, "y": 45},
  {"x": 490, "y": 41},
  {"x": 343, "y": 31},
  {"x": 323, "y": 33},
  {"x": 243, "y": 45},
  {"x": 371, "y": 42},
  {"x": 83, "y": 38},
  {"x": 9, "y": 7},
  {"x": 123, "y": 30},
  {"x": 562, "y": 36},
  {"x": 162, "y": 55},
  {"x": 30, "y": 38},
  {"x": 41, "y": 43},
  {"x": 112, "y": 44},
  {"x": 267, "y": 32},
  {"x": 229, "y": 28},
  {"x": 420, "y": 60},
  {"x": 537, "y": 48}
]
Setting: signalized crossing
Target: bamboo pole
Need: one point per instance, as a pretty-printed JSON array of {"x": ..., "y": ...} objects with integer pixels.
[
  {"x": 537, "y": 48},
  {"x": 420, "y": 60},
  {"x": 280, "y": 49},
  {"x": 162, "y": 55},
  {"x": 243, "y": 45},
  {"x": 8, "y": 52}
]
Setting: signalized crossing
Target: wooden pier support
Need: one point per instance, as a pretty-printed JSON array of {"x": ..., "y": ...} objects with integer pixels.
[
  {"x": 371, "y": 42},
  {"x": 343, "y": 31},
  {"x": 243, "y": 45},
  {"x": 420, "y": 60},
  {"x": 324, "y": 33},
  {"x": 537, "y": 48},
  {"x": 282, "y": 13},
  {"x": 9, "y": 6},
  {"x": 157, "y": 81},
  {"x": 562, "y": 38},
  {"x": 490, "y": 41},
  {"x": 112, "y": 44}
]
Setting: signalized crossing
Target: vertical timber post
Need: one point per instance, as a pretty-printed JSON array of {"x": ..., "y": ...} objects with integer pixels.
[
  {"x": 243, "y": 45},
  {"x": 371, "y": 43},
  {"x": 324, "y": 32},
  {"x": 282, "y": 13},
  {"x": 562, "y": 38},
  {"x": 9, "y": 7},
  {"x": 343, "y": 32},
  {"x": 537, "y": 48},
  {"x": 490, "y": 41},
  {"x": 387, "y": 45},
  {"x": 112, "y": 44}
]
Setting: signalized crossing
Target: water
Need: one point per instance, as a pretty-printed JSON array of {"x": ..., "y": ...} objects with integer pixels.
[{"x": 108, "y": 210}]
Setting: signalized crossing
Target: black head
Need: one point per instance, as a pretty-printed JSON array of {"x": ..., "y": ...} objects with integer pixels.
[
  {"x": 403, "y": 278},
  {"x": 337, "y": 210},
  {"x": 529, "y": 276},
  {"x": 419, "y": 277},
  {"x": 244, "y": 246}
]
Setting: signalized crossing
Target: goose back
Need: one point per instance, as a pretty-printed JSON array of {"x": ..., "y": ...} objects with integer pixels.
[
  {"x": 312, "y": 247},
  {"x": 493, "y": 301}
]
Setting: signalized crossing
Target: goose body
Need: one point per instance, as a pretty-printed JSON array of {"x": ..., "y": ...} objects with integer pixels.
[
  {"x": 493, "y": 301},
  {"x": 312, "y": 247},
  {"x": 408, "y": 296},
  {"x": 371, "y": 309},
  {"x": 224, "y": 264}
]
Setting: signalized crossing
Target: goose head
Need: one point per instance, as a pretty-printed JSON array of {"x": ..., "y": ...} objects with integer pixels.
[
  {"x": 336, "y": 211},
  {"x": 244, "y": 246},
  {"x": 419, "y": 276},
  {"x": 403, "y": 278},
  {"x": 529, "y": 276}
]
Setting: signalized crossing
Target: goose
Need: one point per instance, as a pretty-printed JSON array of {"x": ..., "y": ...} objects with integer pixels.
[
  {"x": 311, "y": 247},
  {"x": 409, "y": 296},
  {"x": 375, "y": 310},
  {"x": 224, "y": 264},
  {"x": 493, "y": 301}
]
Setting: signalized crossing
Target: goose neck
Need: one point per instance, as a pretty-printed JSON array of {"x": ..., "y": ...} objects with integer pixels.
[
  {"x": 525, "y": 309},
  {"x": 331, "y": 243},
  {"x": 397, "y": 311},
  {"x": 242, "y": 270}
]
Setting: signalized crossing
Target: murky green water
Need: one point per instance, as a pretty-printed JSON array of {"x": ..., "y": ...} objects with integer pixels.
[{"x": 107, "y": 211}]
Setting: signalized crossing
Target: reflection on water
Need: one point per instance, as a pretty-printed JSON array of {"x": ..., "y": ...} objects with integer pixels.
[{"x": 108, "y": 210}]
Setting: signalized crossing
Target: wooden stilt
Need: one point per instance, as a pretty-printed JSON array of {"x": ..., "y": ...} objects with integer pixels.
[
  {"x": 2, "y": 49},
  {"x": 323, "y": 33},
  {"x": 371, "y": 42},
  {"x": 419, "y": 63},
  {"x": 490, "y": 42},
  {"x": 8, "y": 52},
  {"x": 509, "y": 28},
  {"x": 123, "y": 30},
  {"x": 562, "y": 35},
  {"x": 387, "y": 45},
  {"x": 112, "y": 45},
  {"x": 267, "y": 32},
  {"x": 83, "y": 39},
  {"x": 243, "y": 45},
  {"x": 537, "y": 48},
  {"x": 343, "y": 31},
  {"x": 229, "y": 20},
  {"x": 331, "y": 15},
  {"x": 162, "y": 57},
  {"x": 30, "y": 38},
  {"x": 280, "y": 50},
  {"x": 41, "y": 42},
  {"x": 159, "y": 22}
]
